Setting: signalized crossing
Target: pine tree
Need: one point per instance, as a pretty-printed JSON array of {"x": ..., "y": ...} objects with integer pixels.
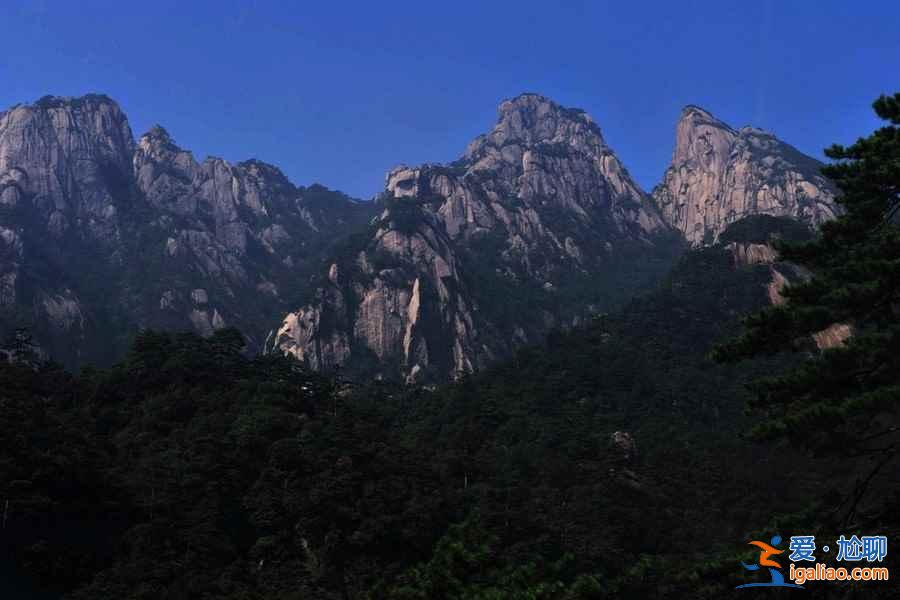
[{"x": 844, "y": 399}]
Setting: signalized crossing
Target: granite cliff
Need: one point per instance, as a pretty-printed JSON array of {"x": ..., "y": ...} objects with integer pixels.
[
  {"x": 536, "y": 226},
  {"x": 719, "y": 175},
  {"x": 101, "y": 235}
]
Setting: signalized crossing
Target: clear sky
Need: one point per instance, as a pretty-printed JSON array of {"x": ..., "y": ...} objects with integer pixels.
[{"x": 338, "y": 92}]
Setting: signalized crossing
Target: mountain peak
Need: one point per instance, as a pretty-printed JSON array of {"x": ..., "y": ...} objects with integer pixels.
[
  {"x": 75, "y": 102},
  {"x": 530, "y": 119},
  {"x": 89, "y": 118},
  {"x": 91, "y": 114},
  {"x": 158, "y": 144},
  {"x": 526, "y": 101},
  {"x": 260, "y": 169},
  {"x": 531, "y": 107},
  {"x": 532, "y": 201},
  {"x": 693, "y": 115},
  {"x": 719, "y": 175},
  {"x": 158, "y": 132},
  {"x": 87, "y": 138}
]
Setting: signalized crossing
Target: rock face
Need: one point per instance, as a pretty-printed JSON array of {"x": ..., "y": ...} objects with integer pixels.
[
  {"x": 750, "y": 242},
  {"x": 65, "y": 171},
  {"x": 537, "y": 226},
  {"x": 235, "y": 242},
  {"x": 69, "y": 159},
  {"x": 468, "y": 260},
  {"x": 11, "y": 263},
  {"x": 719, "y": 175},
  {"x": 100, "y": 236}
]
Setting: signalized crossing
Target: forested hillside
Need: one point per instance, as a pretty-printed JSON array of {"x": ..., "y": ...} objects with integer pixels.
[{"x": 608, "y": 462}]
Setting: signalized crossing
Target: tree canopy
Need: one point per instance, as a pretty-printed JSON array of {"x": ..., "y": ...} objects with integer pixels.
[{"x": 842, "y": 399}]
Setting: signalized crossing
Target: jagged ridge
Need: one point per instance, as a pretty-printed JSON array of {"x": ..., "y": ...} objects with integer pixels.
[
  {"x": 101, "y": 236},
  {"x": 719, "y": 175},
  {"x": 522, "y": 234}
]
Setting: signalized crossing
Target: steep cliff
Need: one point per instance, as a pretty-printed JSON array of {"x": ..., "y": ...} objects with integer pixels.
[
  {"x": 719, "y": 175},
  {"x": 70, "y": 159},
  {"x": 65, "y": 173},
  {"x": 537, "y": 225},
  {"x": 235, "y": 243},
  {"x": 101, "y": 236}
]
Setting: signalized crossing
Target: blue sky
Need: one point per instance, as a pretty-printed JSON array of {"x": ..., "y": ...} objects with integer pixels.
[{"x": 338, "y": 92}]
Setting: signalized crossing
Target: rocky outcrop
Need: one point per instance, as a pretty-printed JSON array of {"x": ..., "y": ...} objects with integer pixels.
[
  {"x": 832, "y": 336},
  {"x": 752, "y": 254},
  {"x": 539, "y": 157},
  {"x": 11, "y": 251},
  {"x": 537, "y": 226},
  {"x": 243, "y": 231},
  {"x": 70, "y": 160},
  {"x": 100, "y": 233},
  {"x": 719, "y": 175},
  {"x": 236, "y": 205},
  {"x": 750, "y": 242},
  {"x": 403, "y": 302},
  {"x": 468, "y": 260},
  {"x": 65, "y": 193}
]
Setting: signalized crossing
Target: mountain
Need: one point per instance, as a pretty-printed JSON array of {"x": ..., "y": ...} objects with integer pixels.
[
  {"x": 537, "y": 225},
  {"x": 235, "y": 242},
  {"x": 204, "y": 473},
  {"x": 101, "y": 236},
  {"x": 719, "y": 175}
]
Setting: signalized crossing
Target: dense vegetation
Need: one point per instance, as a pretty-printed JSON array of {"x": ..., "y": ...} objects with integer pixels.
[
  {"x": 843, "y": 402},
  {"x": 189, "y": 470}
]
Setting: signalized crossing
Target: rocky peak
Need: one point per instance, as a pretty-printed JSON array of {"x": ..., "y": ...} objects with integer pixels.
[
  {"x": 171, "y": 179},
  {"x": 94, "y": 124},
  {"x": 65, "y": 167},
  {"x": 274, "y": 190},
  {"x": 532, "y": 206},
  {"x": 531, "y": 131},
  {"x": 157, "y": 141},
  {"x": 165, "y": 173},
  {"x": 70, "y": 159},
  {"x": 158, "y": 132},
  {"x": 701, "y": 137},
  {"x": 263, "y": 170},
  {"x": 531, "y": 119},
  {"x": 542, "y": 154},
  {"x": 139, "y": 233},
  {"x": 240, "y": 232},
  {"x": 719, "y": 175},
  {"x": 696, "y": 115}
]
